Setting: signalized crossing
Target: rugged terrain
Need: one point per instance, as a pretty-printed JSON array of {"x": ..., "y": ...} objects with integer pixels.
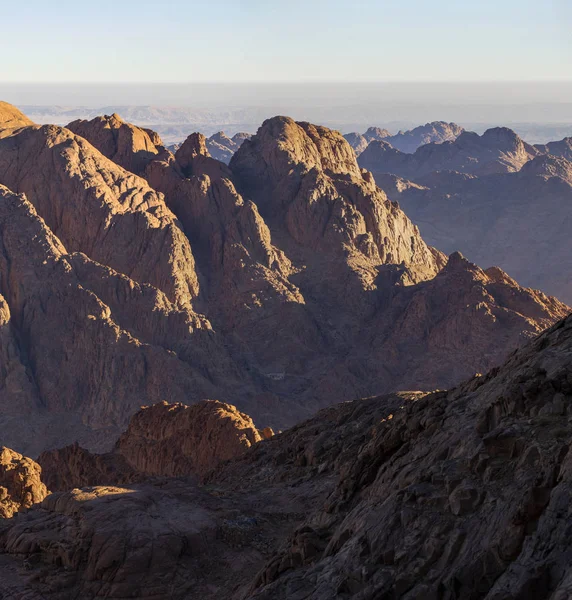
[
  {"x": 498, "y": 150},
  {"x": 519, "y": 221},
  {"x": 169, "y": 440},
  {"x": 406, "y": 141},
  {"x": 450, "y": 494},
  {"x": 281, "y": 283}
]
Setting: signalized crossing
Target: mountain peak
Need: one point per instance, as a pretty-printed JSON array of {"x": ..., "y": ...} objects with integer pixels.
[{"x": 12, "y": 118}]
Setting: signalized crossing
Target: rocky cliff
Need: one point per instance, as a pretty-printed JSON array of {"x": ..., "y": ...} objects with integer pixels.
[
  {"x": 131, "y": 275},
  {"x": 20, "y": 483},
  {"x": 515, "y": 220},
  {"x": 498, "y": 150},
  {"x": 168, "y": 440},
  {"x": 450, "y": 494}
]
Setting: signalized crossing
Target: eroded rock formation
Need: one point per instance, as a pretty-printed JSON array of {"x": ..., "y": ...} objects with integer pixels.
[
  {"x": 498, "y": 150},
  {"x": 20, "y": 483},
  {"x": 275, "y": 283},
  {"x": 449, "y": 494},
  {"x": 167, "y": 440}
]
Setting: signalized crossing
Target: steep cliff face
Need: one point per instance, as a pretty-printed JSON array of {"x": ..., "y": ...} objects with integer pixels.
[
  {"x": 518, "y": 221},
  {"x": 20, "y": 483},
  {"x": 128, "y": 146},
  {"x": 90, "y": 342},
  {"x": 96, "y": 207},
  {"x": 498, "y": 150},
  {"x": 11, "y": 118},
  {"x": 561, "y": 148},
  {"x": 307, "y": 181}
]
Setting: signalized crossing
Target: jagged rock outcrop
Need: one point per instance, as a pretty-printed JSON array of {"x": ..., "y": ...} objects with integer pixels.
[
  {"x": 129, "y": 146},
  {"x": 518, "y": 221},
  {"x": 450, "y": 494},
  {"x": 406, "y": 141},
  {"x": 72, "y": 466},
  {"x": 376, "y": 133},
  {"x": 498, "y": 150},
  {"x": 435, "y": 132},
  {"x": 11, "y": 118},
  {"x": 91, "y": 344},
  {"x": 307, "y": 181},
  {"x": 221, "y": 147},
  {"x": 168, "y": 440},
  {"x": 174, "y": 439},
  {"x": 357, "y": 141},
  {"x": 94, "y": 206},
  {"x": 20, "y": 483},
  {"x": 561, "y": 148},
  {"x": 548, "y": 166}
]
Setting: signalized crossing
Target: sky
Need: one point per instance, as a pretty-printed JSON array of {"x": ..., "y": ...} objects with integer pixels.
[{"x": 186, "y": 41}]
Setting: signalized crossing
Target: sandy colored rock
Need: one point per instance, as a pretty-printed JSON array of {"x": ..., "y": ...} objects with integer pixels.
[
  {"x": 20, "y": 483},
  {"x": 129, "y": 146},
  {"x": 96, "y": 207},
  {"x": 11, "y": 118},
  {"x": 175, "y": 440},
  {"x": 93, "y": 343}
]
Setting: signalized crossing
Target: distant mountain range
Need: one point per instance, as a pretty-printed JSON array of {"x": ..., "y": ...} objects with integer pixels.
[{"x": 175, "y": 123}]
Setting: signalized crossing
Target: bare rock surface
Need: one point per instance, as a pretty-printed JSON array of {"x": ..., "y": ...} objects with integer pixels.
[
  {"x": 300, "y": 269},
  {"x": 435, "y": 132},
  {"x": 518, "y": 221},
  {"x": 166, "y": 440},
  {"x": 449, "y": 494},
  {"x": 20, "y": 483},
  {"x": 127, "y": 145},
  {"x": 96, "y": 207},
  {"x": 498, "y": 150},
  {"x": 84, "y": 340},
  {"x": 11, "y": 118},
  {"x": 561, "y": 148},
  {"x": 406, "y": 141}
]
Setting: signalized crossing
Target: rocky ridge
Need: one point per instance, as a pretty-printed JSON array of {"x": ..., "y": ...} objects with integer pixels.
[
  {"x": 515, "y": 220},
  {"x": 450, "y": 494},
  {"x": 259, "y": 283},
  {"x": 406, "y": 141},
  {"x": 498, "y": 150},
  {"x": 166, "y": 440}
]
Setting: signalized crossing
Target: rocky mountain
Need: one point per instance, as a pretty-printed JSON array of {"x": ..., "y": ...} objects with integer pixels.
[
  {"x": 449, "y": 494},
  {"x": 498, "y": 150},
  {"x": 562, "y": 148},
  {"x": 281, "y": 283},
  {"x": 357, "y": 141},
  {"x": 518, "y": 221},
  {"x": 406, "y": 141},
  {"x": 222, "y": 147},
  {"x": 21, "y": 485},
  {"x": 435, "y": 132},
  {"x": 171, "y": 440}
]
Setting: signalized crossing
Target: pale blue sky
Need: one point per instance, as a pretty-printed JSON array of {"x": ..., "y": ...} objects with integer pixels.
[{"x": 271, "y": 40}]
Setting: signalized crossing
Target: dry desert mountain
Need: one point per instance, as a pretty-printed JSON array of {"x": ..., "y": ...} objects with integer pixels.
[
  {"x": 450, "y": 494},
  {"x": 284, "y": 282},
  {"x": 406, "y": 141},
  {"x": 163, "y": 314},
  {"x": 514, "y": 215}
]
